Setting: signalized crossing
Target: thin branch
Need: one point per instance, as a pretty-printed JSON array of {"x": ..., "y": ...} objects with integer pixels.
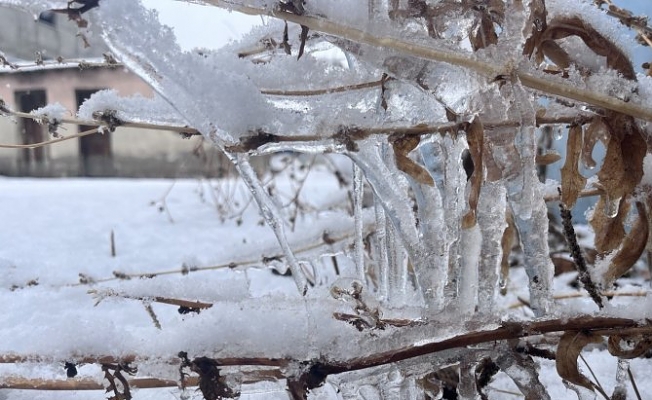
[
  {"x": 230, "y": 265},
  {"x": 639, "y": 24},
  {"x": 49, "y": 142},
  {"x": 76, "y": 121},
  {"x": 317, "y": 92},
  {"x": 584, "y": 295},
  {"x": 102, "y": 294},
  {"x": 469, "y": 61},
  {"x": 604, "y": 326},
  {"x": 84, "y": 384}
]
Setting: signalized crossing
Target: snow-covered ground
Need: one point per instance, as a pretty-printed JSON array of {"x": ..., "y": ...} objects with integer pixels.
[{"x": 51, "y": 231}]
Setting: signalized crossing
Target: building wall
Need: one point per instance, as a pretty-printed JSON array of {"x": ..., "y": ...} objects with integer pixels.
[
  {"x": 134, "y": 152},
  {"x": 22, "y": 34}
]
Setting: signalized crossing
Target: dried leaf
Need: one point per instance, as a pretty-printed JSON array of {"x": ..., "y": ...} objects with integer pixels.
[
  {"x": 596, "y": 131},
  {"x": 621, "y": 171},
  {"x": 403, "y": 145},
  {"x": 572, "y": 182},
  {"x": 485, "y": 34},
  {"x": 569, "y": 348},
  {"x": 609, "y": 231},
  {"x": 641, "y": 344},
  {"x": 622, "y": 168},
  {"x": 475, "y": 138},
  {"x": 303, "y": 37},
  {"x": 555, "y": 53},
  {"x": 562, "y": 27},
  {"x": 548, "y": 158},
  {"x": 632, "y": 247}
]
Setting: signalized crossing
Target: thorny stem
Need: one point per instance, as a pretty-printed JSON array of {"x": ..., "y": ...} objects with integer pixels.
[{"x": 527, "y": 78}]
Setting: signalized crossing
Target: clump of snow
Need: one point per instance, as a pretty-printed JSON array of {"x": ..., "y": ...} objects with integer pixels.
[
  {"x": 51, "y": 113},
  {"x": 135, "y": 108}
]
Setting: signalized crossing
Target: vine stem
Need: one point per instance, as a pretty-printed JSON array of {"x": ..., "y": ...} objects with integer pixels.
[
  {"x": 527, "y": 78},
  {"x": 605, "y": 326}
]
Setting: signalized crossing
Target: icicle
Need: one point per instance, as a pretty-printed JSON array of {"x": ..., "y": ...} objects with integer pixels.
[
  {"x": 620, "y": 391},
  {"x": 491, "y": 219},
  {"x": 523, "y": 371},
  {"x": 358, "y": 193},
  {"x": 468, "y": 276},
  {"x": 443, "y": 160},
  {"x": 382, "y": 250},
  {"x": 271, "y": 216},
  {"x": 397, "y": 275}
]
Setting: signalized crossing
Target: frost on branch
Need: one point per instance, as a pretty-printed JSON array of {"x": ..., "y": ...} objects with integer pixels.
[{"x": 438, "y": 107}]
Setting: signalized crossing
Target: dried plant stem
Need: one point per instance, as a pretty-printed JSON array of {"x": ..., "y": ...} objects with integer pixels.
[
  {"x": 604, "y": 326},
  {"x": 77, "y": 121},
  {"x": 162, "y": 300},
  {"x": 578, "y": 257},
  {"x": 49, "y": 142},
  {"x": 581, "y": 295},
  {"x": 634, "y": 386},
  {"x": 627, "y": 19},
  {"x": 333, "y": 239},
  {"x": 84, "y": 384},
  {"x": 318, "y": 92},
  {"x": 82, "y": 64},
  {"x": 527, "y": 78}
]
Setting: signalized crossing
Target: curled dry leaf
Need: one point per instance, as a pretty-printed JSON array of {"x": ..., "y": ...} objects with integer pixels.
[
  {"x": 635, "y": 346},
  {"x": 572, "y": 182},
  {"x": 563, "y": 27},
  {"x": 596, "y": 131},
  {"x": 475, "y": 138},
  {"x": 403, "y": 145},
  {"x": 621, "y": 171},
  {"x": 609, "y": 231},
  {"x": 548, "y": 158},
  {"x": 632, "y": 247},
  {"x": 569, "y": 349},
  {"x": 485, "y": 34}
]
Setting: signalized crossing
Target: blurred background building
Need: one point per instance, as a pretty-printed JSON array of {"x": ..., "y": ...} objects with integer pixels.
[{"x": 127, "y": 152}]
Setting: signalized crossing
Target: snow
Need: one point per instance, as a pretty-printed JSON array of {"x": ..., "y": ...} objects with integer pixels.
[{"x": 87, "y": 266}]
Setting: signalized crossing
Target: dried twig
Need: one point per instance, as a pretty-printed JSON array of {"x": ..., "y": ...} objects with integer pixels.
[{"x": 578, "y": 257}]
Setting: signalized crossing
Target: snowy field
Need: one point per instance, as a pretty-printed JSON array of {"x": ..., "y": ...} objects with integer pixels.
[{"x": 54, "y": 230}]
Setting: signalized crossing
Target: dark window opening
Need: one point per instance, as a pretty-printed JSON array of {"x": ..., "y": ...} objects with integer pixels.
[
  {"x": 94, "y": 149},
  {"x": 47, "y": 17},
  {"x": 31, "y": 131}
]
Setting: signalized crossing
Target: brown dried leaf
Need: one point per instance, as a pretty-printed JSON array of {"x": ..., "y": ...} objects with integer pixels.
[
  {"x": 596, "y": 131},
  {"x": 560, "y": 28},
  {"x": 641, "y": 344},
  {"x": 555, "y": 53},
  {"x": 569, "y": 348},
  {"x": 303, "y": 37},
  {"x": 572, "y": 182},
  {"x": 538, "y": 23},
  {"x": 621, "y": 171},
  {"x": 622, "y": 168},
  {"x": 548, "y": 158},
  {"x": 562, "y": 265},
  {"x": 632, "y": 247},
  {"x": 609, "y": 232},
  {"x": 475, "y": 138},
  {"x": 403, "y": 145},
  {"x": 485, "y": 35}
]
